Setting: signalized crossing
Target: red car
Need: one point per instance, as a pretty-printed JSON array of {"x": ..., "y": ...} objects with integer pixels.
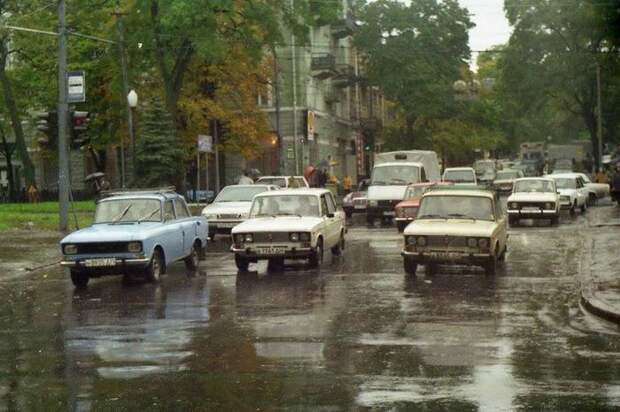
[{"x": 407, "y": 210}]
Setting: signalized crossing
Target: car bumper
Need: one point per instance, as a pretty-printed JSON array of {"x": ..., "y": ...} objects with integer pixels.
[
  {"x": 404, "y": 219},
  {"x": 223, "y": 226},
  {"x": 543, "y": 214},
  {"x": 289, "y": 253},
  {"x": 447, "y": 257}
]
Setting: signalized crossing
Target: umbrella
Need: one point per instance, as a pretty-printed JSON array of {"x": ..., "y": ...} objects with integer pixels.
[
  {"x": 255, "y": 173},
  {"x": 94, "y": 176},
  {"x": 323, "y": 163},
  {"x": 308, "y": 171}
]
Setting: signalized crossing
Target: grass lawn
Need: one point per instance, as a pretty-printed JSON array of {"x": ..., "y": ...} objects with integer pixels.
[{"x": 44, "y": 215}]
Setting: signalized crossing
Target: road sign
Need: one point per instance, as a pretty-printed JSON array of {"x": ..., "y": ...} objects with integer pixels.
[
  {"x": 311, "y": 122},
  {"x": 205, "y": 143},
  {"x": 76, "y": 87}
]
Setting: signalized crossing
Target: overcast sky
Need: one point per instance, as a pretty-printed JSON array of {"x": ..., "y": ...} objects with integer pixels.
[{"x": 491, "y": 25}]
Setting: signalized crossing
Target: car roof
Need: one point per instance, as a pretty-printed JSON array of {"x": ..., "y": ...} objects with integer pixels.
[
  {"x": 249, "y": 186},
  {"x": 402, "y": 163},
  {"x": 458, "y": 168},
  {"x": 296, "y": 191},
  {"x": 564, "y": 175},
  {"x": 460, "y": 191},
  {"x": 534, "y": 178}
]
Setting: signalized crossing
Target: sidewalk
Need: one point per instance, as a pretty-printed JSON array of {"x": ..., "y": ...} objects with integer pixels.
[
  {"x": 600, "y": 288},
  {"x": 27, "y": 250}
]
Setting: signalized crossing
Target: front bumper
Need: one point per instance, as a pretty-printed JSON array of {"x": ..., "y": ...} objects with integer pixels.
[
  {"x": 542, "y": 214},
  {"x": 288, "y": 253},
  {"x": 222, "y": 226},
  {"x": 120, "y": 265},
  {"x": 454, "y": 257}
]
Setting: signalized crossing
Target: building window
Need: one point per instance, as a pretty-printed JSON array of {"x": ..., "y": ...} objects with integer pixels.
[{"x": 265, "y": 96}]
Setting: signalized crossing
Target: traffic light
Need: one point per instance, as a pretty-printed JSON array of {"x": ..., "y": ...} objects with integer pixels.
[
  {"x": 47, "y": 123},
  {"x": 79, "y": 124}
]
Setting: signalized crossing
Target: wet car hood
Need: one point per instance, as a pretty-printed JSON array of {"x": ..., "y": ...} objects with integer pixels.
[
  {"x": 451, "y": 227},
  {"x": 386, "y": 192},
  {"x": 105, "y": 232},
  {"x": 532, "y": 197},
  {"x": 227, "y": 208},
  {"x": 278, "y": 224}
]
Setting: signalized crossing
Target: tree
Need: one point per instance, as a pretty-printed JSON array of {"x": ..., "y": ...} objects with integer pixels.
[
  {"x": 414, "y": 54},
  {"x": 158, "y": 149}
]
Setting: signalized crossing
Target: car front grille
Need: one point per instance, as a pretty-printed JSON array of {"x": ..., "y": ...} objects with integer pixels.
[
  {"x": 101, "y": 248},
  {"x": 387, "y": 203},
  {"x": 446, "y": 241},
  {"x": 359, "y": 201},
  {"x": 262, "y": 237},
  {"x": 539, "y": 205},
  {"x": 228, "y": 216}
]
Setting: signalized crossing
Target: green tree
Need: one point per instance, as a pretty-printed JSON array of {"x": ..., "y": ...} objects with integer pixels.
[{"x": 158, "y": 151}]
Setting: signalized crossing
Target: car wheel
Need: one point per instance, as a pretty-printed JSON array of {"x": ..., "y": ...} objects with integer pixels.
[
  {"x": 502, "y": 257},
  {"x": 242, "y": 263},
  {"x": 573, "y": 208},
  {"x": 337, "y": 250},
  {"x": 591, "y": 199},
  {"x": 317, "y": 256},
  {"x": 410, "y": 266},
  {"x": 79, "y": 279},
  {"x": 155, "y": 268},
  {"x": 192, "y": 261},
  {"x": 584, "y": 207},
  {"x": 401, "y": 226},
  {"x": 490, "y": 268},
  {"x": 555, "y": 220}
]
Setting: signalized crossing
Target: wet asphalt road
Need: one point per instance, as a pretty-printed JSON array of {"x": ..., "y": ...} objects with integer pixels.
[{"x": 357, "y": 335}]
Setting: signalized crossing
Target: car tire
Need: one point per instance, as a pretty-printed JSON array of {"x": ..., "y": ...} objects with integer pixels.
[
  {"x": 337, "y": 250},
  {"x": 592, "y": 199},
  {"x": 80, "y": 279},
  {"x": 410, "y": 266},
  {"x": 401, "y": 226},
  {"x": 242, "y": 263},
  {"x": 584, "y": 207},
  {"x": 316, "y": 258},
  {"x": 555, "y": 220},
  {"x": 573, "y": 208},
  {"x": 155, "y": 269},
  {"x": 490, "y": 268},
  {"x": 502, "y": 257},
  {"x": 192, "y": 261}
]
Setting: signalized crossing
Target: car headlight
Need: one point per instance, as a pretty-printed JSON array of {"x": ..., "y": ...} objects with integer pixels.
[
  {"x": 248, "y": 238},
  {"x": 304, "y": 237},
  {"x": 483, "y": 243},
  {"x": 134, "y": 247},
  {"x": 411, "y": 240},
  {"x": 472, "y": 242},
  {"x": 69, "y": 249},
  {"x": 239, "y": 238},
  {"x": 549, "y": 205},
  {"x": 421, "y": 240},
  {"x": 514, "y": 205},
  {"x": 294, "y": 237},
  {"x": 372, "y": 203}
]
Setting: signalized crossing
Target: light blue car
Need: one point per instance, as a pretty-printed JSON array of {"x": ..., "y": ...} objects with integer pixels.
[{"x": 135, "y": 233}]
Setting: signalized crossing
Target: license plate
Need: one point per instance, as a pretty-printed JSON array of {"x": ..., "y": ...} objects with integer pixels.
[
  {"x": 226, "y": 225},
  {"x": 104, "y": 262},
  {"x": 271, "y": 250},
  {"x": 531, "y": 210},
  {"x": 359, "y": 207},
  {"x": 447, "y": 255},
  {"x": 389, "y": 213}
]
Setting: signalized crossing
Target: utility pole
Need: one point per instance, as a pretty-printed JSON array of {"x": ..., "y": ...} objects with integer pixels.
[
  {"x": 63, "y": 153},
  {"x": 294, "y": 63},
  {"x": 216, "y": 144},
  {"x": 276, "y": 91},
  {"x": 599, "y": 120},
  {"x": 132, "y": 140}
]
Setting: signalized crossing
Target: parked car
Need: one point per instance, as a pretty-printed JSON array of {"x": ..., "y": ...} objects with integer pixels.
[
  {"x": 406, "y": 210},
  {"x": 355, "y": 202},
  {"x": 232, "y": 206},
  {"x": 135, "y": 233},
  {"x": 533, "y": 198},
  {"x": 504, "y": 180},
  {"x": 465, "y": 176},
  {"x": 289, "y": 224},
  {"x": 456, "y": 226},
  {"x": 595, "y": 190},
  {"x": 573, "y": 193},
  {"x": 285, "y": 182}
]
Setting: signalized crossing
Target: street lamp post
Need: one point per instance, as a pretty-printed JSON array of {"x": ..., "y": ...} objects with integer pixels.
[{"x": 132, "y": 102}]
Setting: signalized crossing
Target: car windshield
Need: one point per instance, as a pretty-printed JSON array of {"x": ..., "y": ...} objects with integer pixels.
[
  {"x": 415, "y": 191},
  {"x": 565, "y": 183},
  {"x": 239, "y": 193},
  {"x": 128, "y": 210},
  {"x": 394, "y": 175},
  {"x": 459, "y": 176},
  {"x": 534, "y": 186},
  {"x": 507, "y": 175},
  {"x": 456, "y": 207},
  {"x": 285, "y": 205},
  {"x": 276, "y": 181}
]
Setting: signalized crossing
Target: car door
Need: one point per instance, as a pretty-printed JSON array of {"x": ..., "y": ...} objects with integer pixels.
[
  {"x": 187, "y": 225},
  {"x": 334, "y": 222},
  {"x": 172, "y": 238},
  {"x": 582, "y": 191},
  {"x": 325, "y": 225},
  {"x": 500, "y": 219}
]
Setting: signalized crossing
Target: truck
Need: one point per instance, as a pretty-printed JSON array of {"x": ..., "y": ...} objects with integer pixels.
[{"x": 391, "y": 174}]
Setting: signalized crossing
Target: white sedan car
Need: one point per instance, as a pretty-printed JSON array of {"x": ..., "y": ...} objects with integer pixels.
[
  {"x": 465, "y": 176},
  {"x": 231, "y": 207},
  {"x": 573, "y": 192},
  {"x": 289, "y": 224},
  {"x": 595, "y": 190},
  {"x": 533, "y": 198},
  {"x": 456, "y": 227}
]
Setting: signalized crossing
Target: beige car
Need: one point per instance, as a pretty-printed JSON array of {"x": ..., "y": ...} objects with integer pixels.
[{"x": 456, "y": 226}]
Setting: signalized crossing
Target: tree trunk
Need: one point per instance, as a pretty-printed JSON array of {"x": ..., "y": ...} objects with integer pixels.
[
  {"x": 20, "y": 142},
  {"x": 8, "y": 155}
]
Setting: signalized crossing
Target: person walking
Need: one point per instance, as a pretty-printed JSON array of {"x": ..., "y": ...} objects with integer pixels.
[{"x": 245, "y": 179}]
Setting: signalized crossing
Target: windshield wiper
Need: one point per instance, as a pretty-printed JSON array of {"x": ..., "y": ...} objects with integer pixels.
[
  {"x": 149, "y": 215},
  {"x": 460, "y": 215},
  {"x": 122, "y": 215},
  {"x": 431, "y": 216},
  {"x": 289, "y": 214}
]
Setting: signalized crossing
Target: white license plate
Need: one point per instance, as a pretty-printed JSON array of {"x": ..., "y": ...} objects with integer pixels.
[
  {"x": 226, "y": 225},
  {"x": 447, "y": 255},
  {"x": 531, "y": 210},
  {"x": 359, "y": 207},
  {"x": 389, "y": 213},
  {"x": 103, "y": 262},
  {"x": 271, "y": 250}
]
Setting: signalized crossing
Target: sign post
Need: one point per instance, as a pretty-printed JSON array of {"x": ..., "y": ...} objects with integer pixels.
[
  {"x": 205, "y": 145},
  {"x": 76, "y": 87}
]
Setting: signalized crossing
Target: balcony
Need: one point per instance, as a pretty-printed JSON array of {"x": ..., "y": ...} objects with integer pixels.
[
  {"x": 343, "y": 28},
  {"x": 323, "y": 65},
  {"x": 345, "y": 76}
]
